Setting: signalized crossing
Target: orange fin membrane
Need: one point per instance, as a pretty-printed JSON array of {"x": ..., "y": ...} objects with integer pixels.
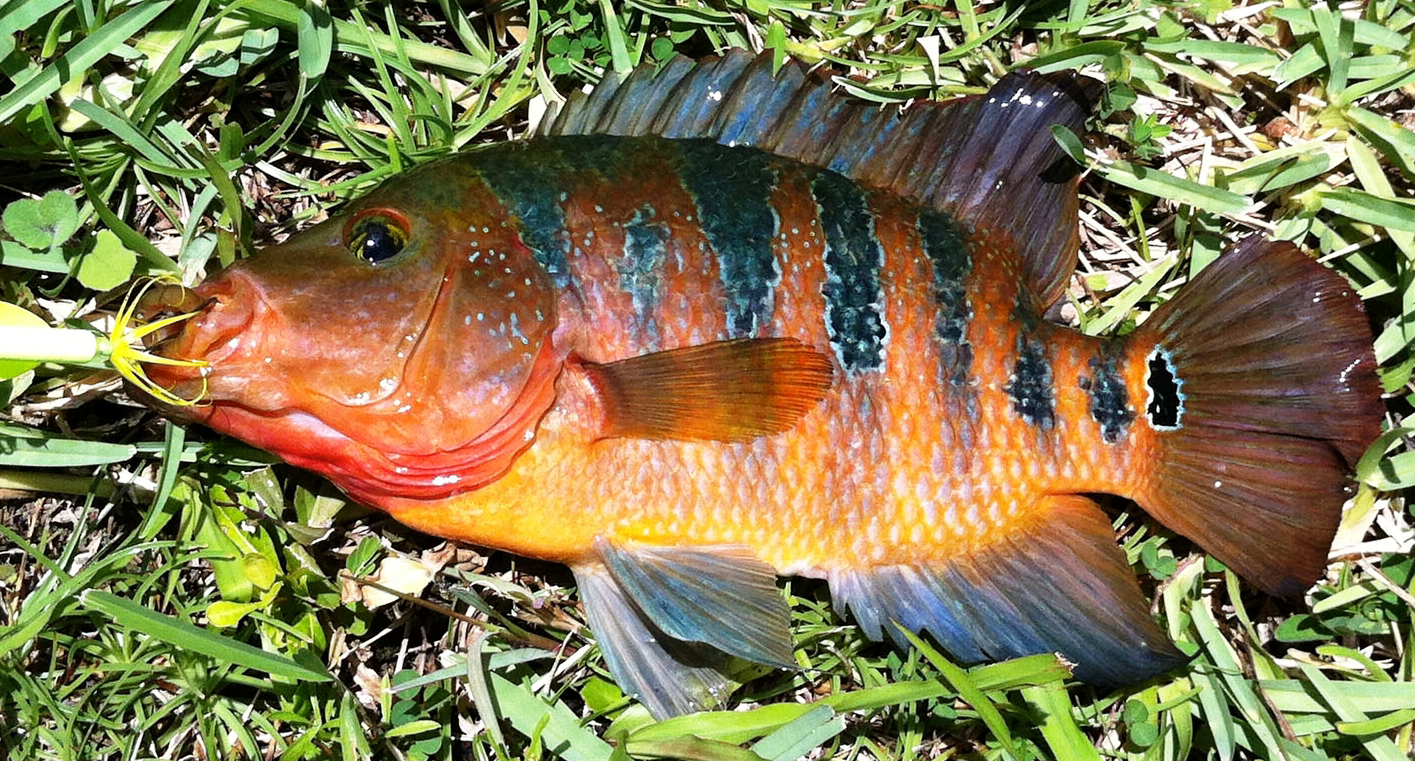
[
  {"x": 722, "y": 391},
  {"x": 670, "y": 620},
  {"x": 1264, "y": 395},
  {"x": 1062, "y": 586},
  {"x": 988, "y": 160}
]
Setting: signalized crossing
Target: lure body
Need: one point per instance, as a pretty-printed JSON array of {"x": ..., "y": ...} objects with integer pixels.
[{"x": 682, "y": 365}]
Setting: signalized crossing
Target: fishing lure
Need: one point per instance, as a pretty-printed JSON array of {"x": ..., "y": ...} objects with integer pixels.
[{"x": 718, "y": 324}]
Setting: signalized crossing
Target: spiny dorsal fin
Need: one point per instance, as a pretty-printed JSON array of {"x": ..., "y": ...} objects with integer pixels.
[
  {"x": 988, "y": 160},
  {"x": 721, "y": 391}
]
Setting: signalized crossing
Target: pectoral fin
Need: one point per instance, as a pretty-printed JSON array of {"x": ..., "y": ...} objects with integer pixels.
[
  {"x": 723, "y": 391},
  {"x": 1061, "y": 587}
]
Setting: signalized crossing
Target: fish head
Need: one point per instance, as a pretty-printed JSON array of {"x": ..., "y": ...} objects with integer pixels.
[{"x": 401, "y": 348}]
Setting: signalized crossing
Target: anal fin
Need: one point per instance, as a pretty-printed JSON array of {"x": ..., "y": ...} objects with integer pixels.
[
  {"x": 1062, "y": 586},
  {"x": 722, "y": 391}
]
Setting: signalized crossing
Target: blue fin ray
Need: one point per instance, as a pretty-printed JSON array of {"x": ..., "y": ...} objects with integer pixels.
[
  {"x": 670, "y": 677},
  {"x": 721, "y": 596},
  {"x": 1061, "y": 587}
]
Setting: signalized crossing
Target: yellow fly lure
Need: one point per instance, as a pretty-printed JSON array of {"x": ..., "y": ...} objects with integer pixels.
[{"x": 29, "y": 341}]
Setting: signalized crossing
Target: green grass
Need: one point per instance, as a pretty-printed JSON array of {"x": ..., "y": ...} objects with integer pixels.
[{"x": 165, "y": 593}]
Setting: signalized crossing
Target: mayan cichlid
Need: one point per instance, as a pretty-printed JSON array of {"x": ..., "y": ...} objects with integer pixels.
[{"x": 717, "y": 324}]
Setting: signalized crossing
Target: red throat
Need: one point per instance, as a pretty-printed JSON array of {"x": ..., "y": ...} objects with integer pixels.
[{"x": 370, "y": 473}]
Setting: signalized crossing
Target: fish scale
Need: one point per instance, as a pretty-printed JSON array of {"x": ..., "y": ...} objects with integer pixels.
[{"x": 719, "y": 324}]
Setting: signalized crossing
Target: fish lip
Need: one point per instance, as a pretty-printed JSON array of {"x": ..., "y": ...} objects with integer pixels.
[
  {"x": 225, "y": 309},
  {"x": 229, "y": 305},
  {"x": 166, "y": 300}
]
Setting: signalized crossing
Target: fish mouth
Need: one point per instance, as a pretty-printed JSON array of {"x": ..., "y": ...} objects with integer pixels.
[
  {"x": 223, "y": 310},
  {"x": 165, "y": 300}
]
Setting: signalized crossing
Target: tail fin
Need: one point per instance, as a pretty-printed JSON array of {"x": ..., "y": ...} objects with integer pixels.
[{"x": 1262, "y": 394}]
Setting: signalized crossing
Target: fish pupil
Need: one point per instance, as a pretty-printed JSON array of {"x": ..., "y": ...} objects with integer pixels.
[{"x": 375, "y": 240}]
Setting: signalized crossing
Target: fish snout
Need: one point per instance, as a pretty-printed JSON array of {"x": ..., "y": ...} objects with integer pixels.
[
  {"x": 224, "y": 307},
  {"x": 161, "y": 301},
  {"x": 228, "y": 304}
]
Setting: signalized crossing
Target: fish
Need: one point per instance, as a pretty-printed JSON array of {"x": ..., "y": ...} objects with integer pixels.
[{"x": 717, "y": 323}]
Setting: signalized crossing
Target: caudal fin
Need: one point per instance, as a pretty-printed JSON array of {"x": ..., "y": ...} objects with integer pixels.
[{"x": 1262, "y": 394}]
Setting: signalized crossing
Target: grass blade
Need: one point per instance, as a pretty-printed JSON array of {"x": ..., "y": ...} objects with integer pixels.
[
  {"x": 23, "y": 452},
  {"x": 1058, "y": 725},
  {"x": 189, "y": 636},
  {"x": 81, "y": 57},
  {"x": 1178, "y": 189},
  {"x": 553, "y": 724},
  {"x": 968, "y": 690}
]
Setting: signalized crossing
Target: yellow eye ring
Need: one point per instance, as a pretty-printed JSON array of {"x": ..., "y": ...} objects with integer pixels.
[{"x": 376, "y": 235}]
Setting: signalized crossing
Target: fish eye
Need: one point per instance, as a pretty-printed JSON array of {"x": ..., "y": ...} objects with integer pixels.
[{"x": 376, "y": 235}]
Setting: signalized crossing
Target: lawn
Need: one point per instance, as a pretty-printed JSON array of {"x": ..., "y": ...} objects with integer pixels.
[{"x": 167, "y": 593}]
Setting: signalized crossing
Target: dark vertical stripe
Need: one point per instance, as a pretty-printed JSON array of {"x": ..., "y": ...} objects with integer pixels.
[
  {"x": 732, "y": 188},
  {"x": 533, "y": 180},
  {"x": 951, "y": 267},
  {"x": 528, "y": 180},
  {"x": 1030, "y": 386},
  {"x": 641, "y": 267},
  {"x": 1109, "y": 400},
  {"x": 854, "y": 298}
]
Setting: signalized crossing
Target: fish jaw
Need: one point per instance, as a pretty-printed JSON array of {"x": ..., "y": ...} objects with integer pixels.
[{"x": 226, "y": 308}]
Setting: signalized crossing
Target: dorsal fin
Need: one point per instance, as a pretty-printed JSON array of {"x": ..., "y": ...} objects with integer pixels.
[{"x": 989, "y": 161}]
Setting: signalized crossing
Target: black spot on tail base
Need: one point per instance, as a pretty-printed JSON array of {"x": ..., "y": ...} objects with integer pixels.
[{"x": 1165, "y": 409}]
